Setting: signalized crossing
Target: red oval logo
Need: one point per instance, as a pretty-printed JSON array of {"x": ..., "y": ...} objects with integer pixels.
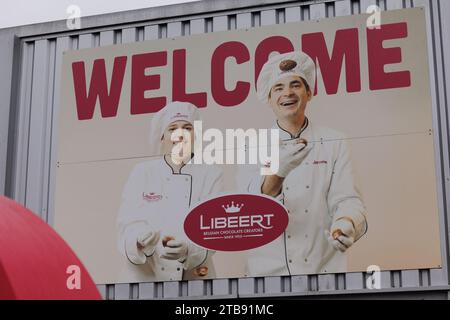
[{"x": 236, "y": 222}]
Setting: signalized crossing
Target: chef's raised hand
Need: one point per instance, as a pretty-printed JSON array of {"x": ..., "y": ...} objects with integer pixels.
[
  {"x": 147, "y": 242},
  {"x": 175, "y": 250},
  {"x": 291, "y": 155},
  {"x": 140, "y": 243},
  {"x": 341, "y": 235}
]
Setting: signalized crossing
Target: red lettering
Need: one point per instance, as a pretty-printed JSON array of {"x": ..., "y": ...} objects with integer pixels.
[
  {"x": 98, "y": 87},
  {"x": 345, "y": 49},
  {"x": 179, "y": 82},
  {"x": 221, "y": 95},
  {"x": 346, "y": 46},
  {"x": 141, "y": 82},
  {"x": 378, "y": 57}
]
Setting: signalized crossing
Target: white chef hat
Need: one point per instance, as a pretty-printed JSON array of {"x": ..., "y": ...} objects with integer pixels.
[
  {"x": 174, "y": 111},
  {"x": 283, "y": 65}
]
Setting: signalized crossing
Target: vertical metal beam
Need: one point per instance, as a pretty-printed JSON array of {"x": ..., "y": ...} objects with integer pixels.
[
  {"x": 20, "y": 132},
  {"x": 246, "y": 286},
  {"x": 410, "y": 279},
  {"x": 440, "y": 121},
  {"x": 39, "y": 123},
  {"x": 272, "y": 285},
  {"x": 62, "y": 44},
  {"x": 121, "y": 291},
  {"x": 102, "y": 289},
  {"x": 354, "y": 281},
  {"x": 327, "y": 282},
  {"x": 9, "y": 68},
  {"x": 171, "y": 289},
  {"x": 441, "y": 12},
  {"x": 196, "y": 288},
  {"x": 221, "y": 287},
  {"x": 299, "y": 284},
  {"x": 146, "y": 291}
]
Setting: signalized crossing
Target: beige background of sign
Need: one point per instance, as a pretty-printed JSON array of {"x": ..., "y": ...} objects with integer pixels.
[{"x": 389, "y": 134}]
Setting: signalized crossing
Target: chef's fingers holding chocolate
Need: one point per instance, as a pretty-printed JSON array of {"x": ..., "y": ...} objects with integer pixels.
[{"x": 343, "y": 231}]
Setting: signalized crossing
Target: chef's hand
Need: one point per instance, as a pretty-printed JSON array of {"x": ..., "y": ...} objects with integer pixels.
[
  {"x": 147, "y": 242},
  {"x": 175, "y": 250},
  {"x": 341, "y": 235},
  {"x": 292, "y": 152}
]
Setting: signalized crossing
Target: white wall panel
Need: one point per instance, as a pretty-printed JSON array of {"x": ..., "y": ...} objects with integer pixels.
[
  {"x": 268, "y": 17},
  {"x": 244, "y": 20},
  {"x": 220, "y": 23},
  {"x": 151, "y": 32},
  {"x": 343, "y": 8},
  {"x": 293, "y": 14},
  {"x": 174, "y": 29}
]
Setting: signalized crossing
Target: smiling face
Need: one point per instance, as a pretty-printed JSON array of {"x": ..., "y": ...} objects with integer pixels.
[
  {"x": 288, "y": 98},
  {"x": 179, "y": 137}
]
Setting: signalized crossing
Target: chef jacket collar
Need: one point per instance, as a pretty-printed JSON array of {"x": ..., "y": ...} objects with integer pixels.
[
  {"x": 304, "y": 131},
  {"x": 186, "y": 169}
]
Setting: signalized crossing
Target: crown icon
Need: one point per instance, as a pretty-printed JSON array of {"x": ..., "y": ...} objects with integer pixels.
[{"x": 233, "y": 208}]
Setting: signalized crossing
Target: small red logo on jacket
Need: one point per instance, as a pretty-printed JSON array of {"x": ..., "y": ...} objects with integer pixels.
[
  {"x": 320, "y": 162},
  {"x": 151, "y": 196}
]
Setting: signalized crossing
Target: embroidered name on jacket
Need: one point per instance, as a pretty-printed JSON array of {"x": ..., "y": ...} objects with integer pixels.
[
  {"x": 320, "y": 162},
  {"x": 151, "y": 196}
]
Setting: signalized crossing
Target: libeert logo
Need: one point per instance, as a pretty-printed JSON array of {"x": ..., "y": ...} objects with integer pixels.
[
  {"x": 151, "y": 196},
  {"x": 236, "y": 222},
  {"x": 232, "y": 208}
]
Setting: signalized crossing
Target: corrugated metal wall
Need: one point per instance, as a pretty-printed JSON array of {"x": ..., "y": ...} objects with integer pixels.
[{"x": 34, "y": 116}]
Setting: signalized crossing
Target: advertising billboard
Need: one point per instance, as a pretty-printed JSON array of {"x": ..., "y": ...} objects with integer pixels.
[{"x": 301, "y": 148}]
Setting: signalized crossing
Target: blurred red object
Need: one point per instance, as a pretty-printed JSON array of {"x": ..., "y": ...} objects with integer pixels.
[{"x": 35, "y": 262}]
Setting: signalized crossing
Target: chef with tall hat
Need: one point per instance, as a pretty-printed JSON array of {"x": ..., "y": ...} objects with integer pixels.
[
  {"x": 157, "y": 197},
  {"x": 314, "y": 179}
]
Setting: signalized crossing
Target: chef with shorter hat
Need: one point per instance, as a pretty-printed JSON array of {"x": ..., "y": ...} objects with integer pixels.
[
  {"x": 157, "y": 197},
  {"x": 314, "y": 179}
]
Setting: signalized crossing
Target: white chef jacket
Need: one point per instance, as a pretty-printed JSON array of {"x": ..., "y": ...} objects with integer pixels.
[
  {"x": 155, "y": 198},
  {"x": 316, "y": 193}
]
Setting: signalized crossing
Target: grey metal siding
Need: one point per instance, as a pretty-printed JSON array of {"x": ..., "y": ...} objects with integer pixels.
[{"x": 33, "y": 126}]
